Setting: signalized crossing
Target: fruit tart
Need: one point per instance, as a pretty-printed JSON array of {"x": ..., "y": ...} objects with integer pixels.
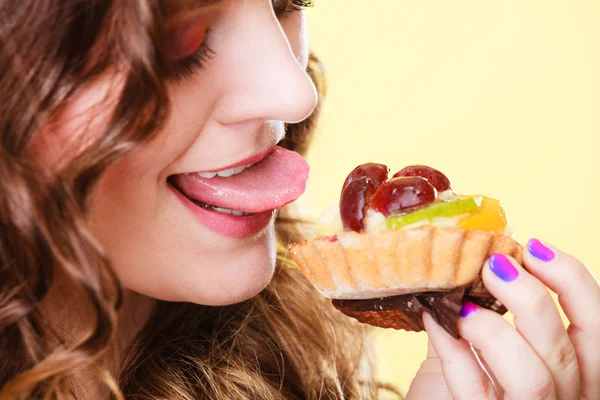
[{"x": 406, "y": 245}]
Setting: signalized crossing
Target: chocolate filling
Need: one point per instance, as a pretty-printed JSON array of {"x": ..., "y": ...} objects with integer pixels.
[{"x": 405, "y": 311}]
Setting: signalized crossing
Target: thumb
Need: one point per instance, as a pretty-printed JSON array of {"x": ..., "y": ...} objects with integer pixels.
[
  {"x": 464, "y": 376},
  {"x": 429, "y": 383}
]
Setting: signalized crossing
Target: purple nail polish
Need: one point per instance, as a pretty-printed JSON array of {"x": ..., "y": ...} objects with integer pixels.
[
  {"x": 503, "y": 268},
  {"x": 540, "y": 251},
  {"x": 467, "y": 309}
]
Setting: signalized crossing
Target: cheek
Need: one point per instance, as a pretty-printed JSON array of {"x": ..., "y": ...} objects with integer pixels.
[
  {"x": 77, "y": 124},
  {"x": 154, "y": 245}
]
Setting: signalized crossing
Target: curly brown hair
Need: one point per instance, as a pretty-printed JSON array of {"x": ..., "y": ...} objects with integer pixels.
[{"x": 285, "y": 343}]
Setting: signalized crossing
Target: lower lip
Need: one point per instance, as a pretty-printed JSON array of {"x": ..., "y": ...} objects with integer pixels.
[{"x": 227, "y": 224}]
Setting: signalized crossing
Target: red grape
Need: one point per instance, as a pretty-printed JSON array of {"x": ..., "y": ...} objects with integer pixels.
[
  {"x": 353, "y": 204},
  {"x": 403, "y": 194},
  {"x": 435, "y": 177},
  {"x": 359, "y": 187},
  {"x": 377, "y": 173}
]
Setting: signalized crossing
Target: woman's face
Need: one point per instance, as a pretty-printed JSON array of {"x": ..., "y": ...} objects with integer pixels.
[{"x": 152, "y": 211}]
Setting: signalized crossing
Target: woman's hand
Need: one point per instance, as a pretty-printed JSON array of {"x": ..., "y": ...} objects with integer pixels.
[{"x": 540, "y": 359}]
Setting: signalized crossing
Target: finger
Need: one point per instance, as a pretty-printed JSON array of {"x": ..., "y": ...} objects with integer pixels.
[
  {"x": 488, "y": 371},
  {"x": 537, "y": 320},
  {"x": 429, "y": 382},
  {"x": 464, "y": 376},
  {"x": 579, "y": 296},
  {"x": 516, "y": 365}
]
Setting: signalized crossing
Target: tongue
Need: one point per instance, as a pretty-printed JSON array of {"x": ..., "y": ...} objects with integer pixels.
[{"x": 275, "y": 181}]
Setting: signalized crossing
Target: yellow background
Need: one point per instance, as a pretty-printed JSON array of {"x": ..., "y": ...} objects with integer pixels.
[{"x": 503, "y": 96}]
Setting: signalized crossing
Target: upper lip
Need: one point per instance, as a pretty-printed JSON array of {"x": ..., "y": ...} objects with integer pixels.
[{"x": 249, "y": 160}]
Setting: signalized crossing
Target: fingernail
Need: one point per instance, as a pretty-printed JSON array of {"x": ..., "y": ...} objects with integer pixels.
[
  {"x": 467, "y": 309},
  {"x": 503, "y": 268},
  {"x": 540, "y": 251}
]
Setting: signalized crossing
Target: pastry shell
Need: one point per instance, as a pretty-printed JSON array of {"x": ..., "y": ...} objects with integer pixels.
[{"x": 384, "y": 262}]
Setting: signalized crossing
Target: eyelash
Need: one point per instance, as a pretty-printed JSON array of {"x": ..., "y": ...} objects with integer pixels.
[
  {"x": 188, "y": 66},
  {"x": 298, "y": 5}
]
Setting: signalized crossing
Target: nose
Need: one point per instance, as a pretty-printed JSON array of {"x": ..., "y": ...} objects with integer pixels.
[{"x": 265, "y": 77}]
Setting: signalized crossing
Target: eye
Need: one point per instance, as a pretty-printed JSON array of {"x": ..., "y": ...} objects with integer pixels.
[
  {"x": 187, "y": 48},
  {"x": 185, "y": 41}
]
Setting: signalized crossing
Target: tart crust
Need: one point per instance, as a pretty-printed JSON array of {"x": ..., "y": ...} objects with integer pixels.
[{"x": 382, "y": 263}]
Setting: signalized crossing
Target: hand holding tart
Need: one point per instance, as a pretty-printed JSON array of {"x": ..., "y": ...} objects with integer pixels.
[{"x": 409, "y": 244}]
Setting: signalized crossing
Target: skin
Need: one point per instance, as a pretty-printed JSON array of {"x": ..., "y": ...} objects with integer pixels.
[
  {"x": 232, "y": 108},
  {"x": 235, "y": 107},
  {"x": 540, "y": 359}
]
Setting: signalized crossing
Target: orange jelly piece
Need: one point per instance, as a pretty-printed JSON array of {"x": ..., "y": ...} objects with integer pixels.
[{"x": 489, "y": 217}]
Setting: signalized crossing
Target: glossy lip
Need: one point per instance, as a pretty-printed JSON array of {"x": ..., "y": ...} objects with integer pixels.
[
  {"x": 233, "y": 226},
  {"x": 250, "y": 160}
]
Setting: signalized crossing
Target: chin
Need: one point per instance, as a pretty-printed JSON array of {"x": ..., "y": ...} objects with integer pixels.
[
  {"x": 218, "y": 278},
  {"x": 245, "y": 274}
]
